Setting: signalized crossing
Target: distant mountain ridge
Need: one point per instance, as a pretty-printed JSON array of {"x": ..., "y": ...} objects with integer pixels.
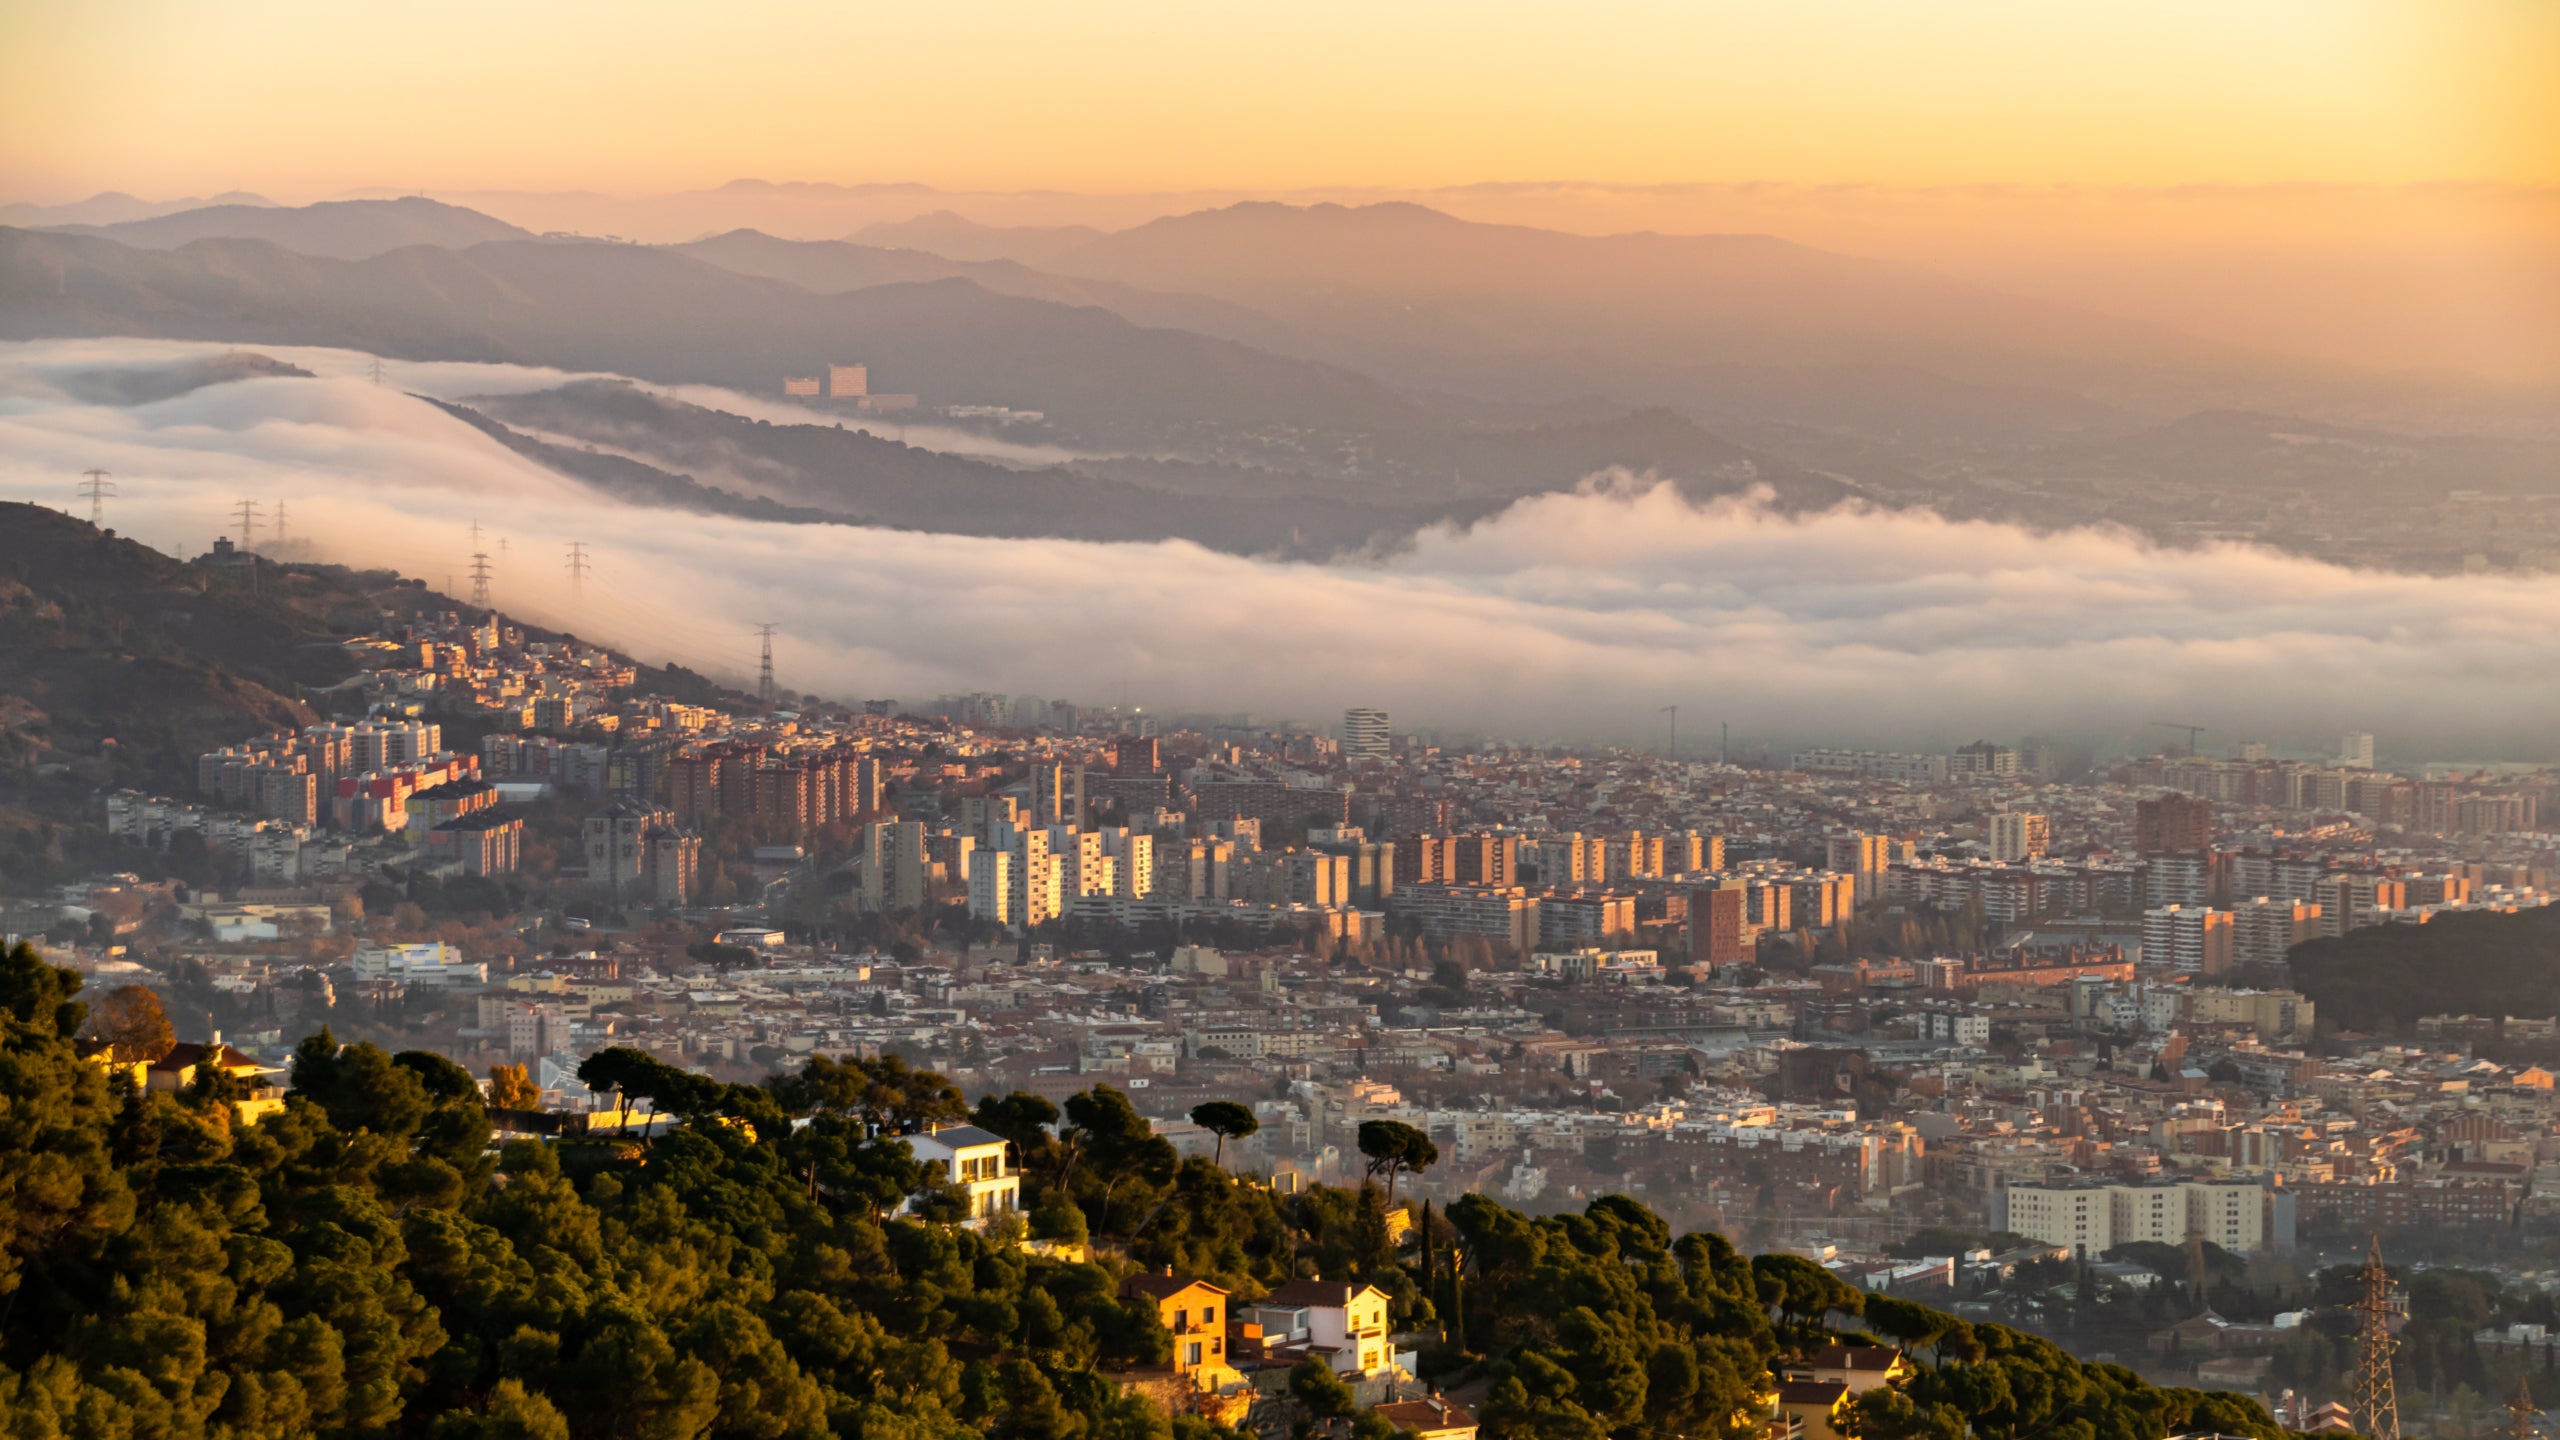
[
  {"x": 113, "y": 207},
  {"x": 332, "y": 229},
  {"x": 1509, "y": 311},
  {"x": 665, "y": 316},
  {"x": 834, "y": 266}
]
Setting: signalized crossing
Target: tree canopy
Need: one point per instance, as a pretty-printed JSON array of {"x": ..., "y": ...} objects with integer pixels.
[{"x": 364, "y": 1265}]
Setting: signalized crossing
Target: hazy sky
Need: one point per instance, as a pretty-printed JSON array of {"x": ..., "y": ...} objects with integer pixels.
[{"x": 300, "y": 99}]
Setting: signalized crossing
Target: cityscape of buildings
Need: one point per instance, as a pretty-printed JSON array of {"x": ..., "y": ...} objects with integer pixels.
[{"x": 1819, "y": 1007}]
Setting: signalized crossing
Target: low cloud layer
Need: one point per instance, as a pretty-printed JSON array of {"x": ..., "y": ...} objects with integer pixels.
[{"x": 1572, "y": 616}]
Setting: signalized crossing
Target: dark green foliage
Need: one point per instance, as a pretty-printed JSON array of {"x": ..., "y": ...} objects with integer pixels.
[
  {"x": 360, "y": 1265},
  {"x": 1227, "y": 1120},
  {"x": 1394, "y": 1147},
  {"x": 2383, "y": 977}
]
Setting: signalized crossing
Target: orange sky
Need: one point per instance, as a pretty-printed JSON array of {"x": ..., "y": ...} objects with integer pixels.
[{"x": 300, "y": 100}]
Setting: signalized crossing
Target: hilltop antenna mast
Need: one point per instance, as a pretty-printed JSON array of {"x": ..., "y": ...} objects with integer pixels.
[
  {"x": 577, "y": 569},
  {"x": 764, "y": 677},
  {"x": 96, "y": 485},
  {"x": 248, "y": 522},
  {"x": 2377, "y": 1401}
]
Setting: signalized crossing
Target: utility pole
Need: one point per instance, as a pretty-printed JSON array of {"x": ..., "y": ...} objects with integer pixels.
[
  {"x": 1674, "y": 712},
  {"x": 96, "y": 485},
  {"x": 765, "y": 690},
  {"x": 577, "y": 569},
  {"x": 249, "y": 522},
  {"x": 2377, "y": 1400}
]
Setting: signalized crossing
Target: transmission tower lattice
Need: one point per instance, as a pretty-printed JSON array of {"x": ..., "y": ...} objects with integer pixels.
[
  {"x": 480, "y": 579},
  {"x": 577, "y": 569},
  {"x": 279, "y": 527},
  {"x": 765, "y": 690},
  {"x": 248, "y": 523},
  {"x": 2377, "y": 1402},
  {"x": 96, "y": 485}
]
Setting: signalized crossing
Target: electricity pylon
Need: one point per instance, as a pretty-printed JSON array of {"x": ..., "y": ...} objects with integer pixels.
[
  {"x": 765, "y": 690},
  {"x": 248, "y": 522},
  {"x": 2377, "y": 1403},
  {"x": 577, "y": 569},
  {"x": 96, "y": 485},
  {"x": 2521, "y": 1414}
]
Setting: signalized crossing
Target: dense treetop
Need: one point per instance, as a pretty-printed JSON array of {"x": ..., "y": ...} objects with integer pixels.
[{"x": 363, "y": 1264}]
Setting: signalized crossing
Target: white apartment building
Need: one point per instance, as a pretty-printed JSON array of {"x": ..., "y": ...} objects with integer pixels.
[
  {"x": 2093, "y": 1218},
  {"x": 893, "y": 866},
  {"x": 2264, "y": 928},
  {"x": 2191, "y": 938},
  {"x": 1365, "y": 735},
  {"x": 991, "y": 886},
  {"x": 2019, "y": 835}
]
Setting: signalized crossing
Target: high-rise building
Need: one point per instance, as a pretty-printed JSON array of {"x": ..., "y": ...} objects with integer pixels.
[
  {"x": 2355, "y": 751},
  {"x": 893, "y": 866},
  {"x": 1717, "y": 919},
  {"x": 1364, "y": 735},
  {"x": 848, "y": 382},
  {"x": 1864, "y": 858},
  {"x": 2264, "y": 928},
  {"x": 1057, "y": 794},
  {"x": 2018, "y": 836},
  {"x": 2172, "y": 824},
  {"x": 1983, "y": 758},
  {"x": 991, "y": 887},
  {"x": 2190, "y": 938},
  {"x": 1136, "y": 757},
  {"x": 1487, "y": 860}
]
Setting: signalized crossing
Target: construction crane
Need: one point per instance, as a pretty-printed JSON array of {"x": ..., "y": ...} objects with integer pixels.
[{"x": 2194, "y": 732}]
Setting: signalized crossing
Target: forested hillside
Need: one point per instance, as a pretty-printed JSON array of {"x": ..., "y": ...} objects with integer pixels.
[
  {"x": 360, "y": 1264},
  {"x": 2383, "y": 977}
]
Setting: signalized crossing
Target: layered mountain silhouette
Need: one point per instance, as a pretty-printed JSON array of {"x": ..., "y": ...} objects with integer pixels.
[
  {"x": 660, "y": 315},
  {"x": 336, "y": 229}
]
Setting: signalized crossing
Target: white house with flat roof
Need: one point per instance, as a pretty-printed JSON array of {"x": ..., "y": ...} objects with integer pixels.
[{"x": 974, "y": 1160}]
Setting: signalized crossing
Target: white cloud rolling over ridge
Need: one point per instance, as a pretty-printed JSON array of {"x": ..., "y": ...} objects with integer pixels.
[{"x": 1571, "y": 615}]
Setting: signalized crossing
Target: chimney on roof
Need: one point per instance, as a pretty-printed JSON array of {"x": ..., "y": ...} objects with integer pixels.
[{"x": 1168, "y": 1272}]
